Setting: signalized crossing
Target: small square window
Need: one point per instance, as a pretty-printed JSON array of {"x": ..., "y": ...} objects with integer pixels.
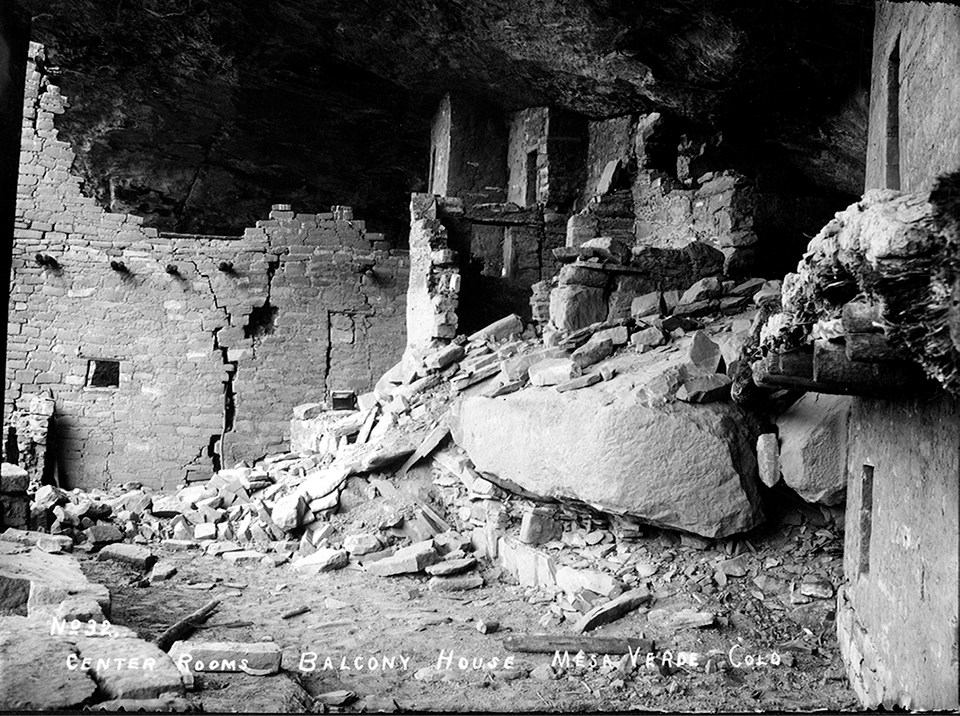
[{"x": 103, "y": 374}]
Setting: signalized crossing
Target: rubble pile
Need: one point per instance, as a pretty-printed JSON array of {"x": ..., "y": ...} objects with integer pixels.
[
  {"x": 281, "y": 507},
  {"x": 576, "y": 562}
]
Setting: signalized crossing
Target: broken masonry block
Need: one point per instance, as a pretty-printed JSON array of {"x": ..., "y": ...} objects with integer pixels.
[
  {"x": 705, "y": 354},
  {"x": 538, "y": 526},
  {"x": 584, "y": 381},
  {"x": 456, "y": 583},
  {"x": 592, "y": 352},
  {"x": 553, "y": 371},
  {"x": 450, "y": 567},
  {"x": 619, "y": 335},
  {"x": 702, "y": 290},
  {"x": 705, "y": 388},
  {"x": 134, "y": 555},
  {"x": 646, "y": 305},
  {"x": 508, "y": 327},
  {"x": 407, "y": 560}
]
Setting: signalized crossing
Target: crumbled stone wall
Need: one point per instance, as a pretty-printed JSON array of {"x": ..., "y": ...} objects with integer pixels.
[
  {"x": 434, "y": 282},
  {"x": 929, "y": 92},
  {"x": 648, "y": 186},
  {"x": 633, "y": 199},
  {"x": 897, "y": 614},
  {"x": 217, "y": 337},
  {"x": 27, "y": 440}
]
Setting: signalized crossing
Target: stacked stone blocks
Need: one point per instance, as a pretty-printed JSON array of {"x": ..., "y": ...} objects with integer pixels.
[{"x": 217, "y": 338}]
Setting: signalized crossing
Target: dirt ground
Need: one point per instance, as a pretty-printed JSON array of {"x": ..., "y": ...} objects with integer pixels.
[{"x": 357, "y": 618}]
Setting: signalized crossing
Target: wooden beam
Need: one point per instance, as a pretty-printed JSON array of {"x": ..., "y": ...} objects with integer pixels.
[{"x": 831, "y": 367}]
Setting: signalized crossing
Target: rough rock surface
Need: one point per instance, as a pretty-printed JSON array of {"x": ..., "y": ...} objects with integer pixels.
[
  {"x": 33, "y": 672},
  {"x": 145, "y": 682},
  {"x": 320, "y": 79},
  {"x": 675, "y": 465},
  {"x": 813, "y": 439},
  {"x": 31, "y": 579}
]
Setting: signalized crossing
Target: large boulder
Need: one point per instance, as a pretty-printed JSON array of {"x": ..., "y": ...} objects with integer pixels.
[
  {"x": 813, "y": 447},
  {"x": 576, "y": 307},
  {"x": 689, "y": 467}
]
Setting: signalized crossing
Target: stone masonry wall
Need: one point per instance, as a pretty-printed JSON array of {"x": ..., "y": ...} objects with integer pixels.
[
  {"x": 528, "y": 133},
  {"x": 929, "y": 81},
  {"x": 217, "y": 338},
  {"x": 649, "y": 186},
  {"x": 897, "y": 614},
  {"x": 434, "y": 284}
]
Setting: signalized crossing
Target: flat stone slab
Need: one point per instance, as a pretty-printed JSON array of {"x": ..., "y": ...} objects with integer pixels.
[
  {"x": 31, "y": 578},
  {"x": 612, "y": 610},
  {"x": 408, "y": 560},
  {"x": 813, "y": 445},
  {"x": 455, "y": 583},
  {"x": 127, "y": 667},
  {"x": 259, "y": 658},
  {"x": 323, "y": 560},
  {"x": 34, "y": 539},
  {"x": 450, "y": 567},
  {"x": 132, "y": 554},
  {"x": 34, "y": 675},
  {"x": 243, "y": 555}
]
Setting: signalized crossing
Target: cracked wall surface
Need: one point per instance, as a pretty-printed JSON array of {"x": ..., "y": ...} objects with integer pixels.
[
  {"x": 217, "y": 337},
  {"x": 897, "y": 614}
]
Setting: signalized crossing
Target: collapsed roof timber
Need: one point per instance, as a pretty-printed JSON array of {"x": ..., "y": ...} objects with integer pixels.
[{"x": 659, "y": 356}]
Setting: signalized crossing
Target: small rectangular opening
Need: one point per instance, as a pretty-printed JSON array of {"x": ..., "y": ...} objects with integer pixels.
[
  {"x": 343, "y": 399},
  {"x": 103, "y": 373},
  {"x": 433, "y": 170},
  {"x": 893, "y": 117},
  {"x": 866, "y": 518},
  {"x": 531, "y": 188}
]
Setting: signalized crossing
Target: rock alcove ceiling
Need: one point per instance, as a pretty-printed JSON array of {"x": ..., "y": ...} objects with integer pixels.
[{"x": 198, "y": 114}]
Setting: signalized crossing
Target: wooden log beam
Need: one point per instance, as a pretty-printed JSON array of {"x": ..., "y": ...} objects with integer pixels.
[
  {"x": 185, "y": 626},
  {"x": 831, "y": 367}
]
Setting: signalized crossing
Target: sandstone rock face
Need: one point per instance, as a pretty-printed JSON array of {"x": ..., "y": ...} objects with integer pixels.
[
  {"x": 813, "y": 447},
  {"x": 675, "y": 465},
  {"x": 576, "y": 307}
]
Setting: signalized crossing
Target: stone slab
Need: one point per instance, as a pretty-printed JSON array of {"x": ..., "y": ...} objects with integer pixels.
[
  {"x": 323, "y": 560},
  {"x": 813, "y": 440},
  {"x": 132, "y": 554},
  {"x": 689, "y": 467},
  {"x": 129, "y": 667},
  {"x": 408, "y": 560},
  {"x": 30, "y": 578}
]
